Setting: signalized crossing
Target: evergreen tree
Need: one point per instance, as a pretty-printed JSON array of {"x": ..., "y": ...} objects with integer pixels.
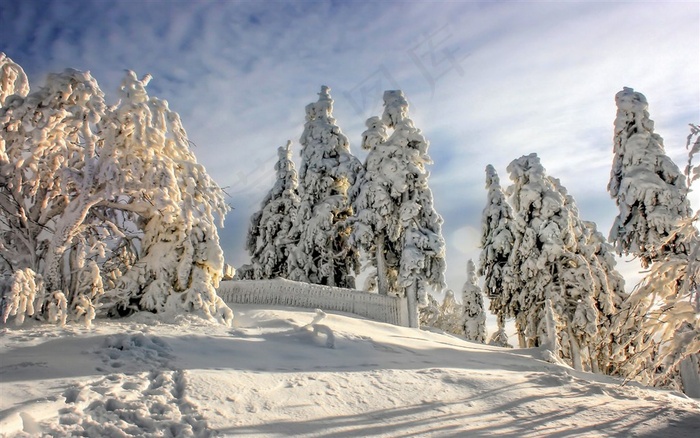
[
  {"x": 612, "y": 346},
  {"x": 474, "y": 318},
  {"x": 595, "y": 310},
  {"x": 496, "y": 245},
  {"x": 430, "y": 314},
  {"x": 269, "y": 235},
  {"x": 555, "y": 306},
  {"x": 396, "y": 222},
  {"x": 449, "y": 315},
  {"x": 663, "y": 349},
  {"x": 656, "y": 225},
  {"x": 322, "y": 254},
  {"x": 81, "y": 181},
  {"x": 376, "y": 225},
  {"x": 646, "y": 184}
]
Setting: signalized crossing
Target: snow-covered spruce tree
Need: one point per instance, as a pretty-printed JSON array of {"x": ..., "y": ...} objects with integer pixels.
[
  {"x": 376, "y": 225},
  {"x": 556, "y": 305},
  {"x": 601, "y": 347},
  {"x": 429, "y": 314},
  {"x": 269, "y": 236},
  {"x": 474, "y": 318},
  {"x": 181, "y": 261},
  {"x": 13, "y": 80},
  {"x": 396, "y": 222},
  {"x": 667, "y": 342},
  {"x": 80, "y": 178},
  {"x": 449, "y": 317},
  {"x": 612, "y": 345},
  {"x": 496, "y": 246},
  {"x": 322, "y": 254},
  {"x": 646, "y": 184}
]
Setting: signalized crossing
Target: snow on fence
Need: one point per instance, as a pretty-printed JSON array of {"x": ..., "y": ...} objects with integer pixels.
[{"x": 281, "y": 292}]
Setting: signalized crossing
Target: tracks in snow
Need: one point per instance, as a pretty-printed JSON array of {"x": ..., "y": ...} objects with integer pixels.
[
  {"x": 141, "y": 396},
  {"x": 150, "y": 403}
]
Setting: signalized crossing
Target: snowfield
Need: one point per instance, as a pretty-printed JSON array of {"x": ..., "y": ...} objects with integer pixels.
[{"x": 283, "y": 372}]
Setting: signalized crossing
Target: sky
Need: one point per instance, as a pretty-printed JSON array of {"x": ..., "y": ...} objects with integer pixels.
[{"x": 487, "y": 83}]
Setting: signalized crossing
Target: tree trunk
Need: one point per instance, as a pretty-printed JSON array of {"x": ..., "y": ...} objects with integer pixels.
[
  {"x": 412, "y": 303},
  {"x": 522, "y": 342},
  {"x": 575, "y": 351},
  {"x": 382, "y": 281},
  {"x": 552, "y": 340},
  {"x": 593, "y": 356}
]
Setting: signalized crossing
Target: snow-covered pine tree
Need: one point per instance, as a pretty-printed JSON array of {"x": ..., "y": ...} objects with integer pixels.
[
  {"x": 665, "y": 346},
  {"x": 322, "y": 254},
  {"x": 611, "y": 346},
  {"x": 450, "y": 314},
  {"x": 269, "y": 236},
  {"x": 496, "y": 246},
  {"x": 430, "y": 314},
  {"x": 79, "y": 179},
  {"x": 181, "y": 261},
  {"x": 555, "y": 306},
  {"x": 601, "y": 303},
  {"x": 656, "y": 225},
  {"x": 13, "y": 80},
  {"x": 376, "y": 225},
  {"x": 396, "y": 222},
  {"x": 646, "y": 184},
  {"x": 474, "y": 318}
]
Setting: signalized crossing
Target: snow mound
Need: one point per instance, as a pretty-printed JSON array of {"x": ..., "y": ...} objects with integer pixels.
[{"x": 273, "y": 375}]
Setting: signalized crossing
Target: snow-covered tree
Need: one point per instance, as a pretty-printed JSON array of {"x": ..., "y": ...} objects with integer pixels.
[
  {"x": 269, "y": 236},
  {"x": 556, "y": 301},
  {"x": 665, "y": 346},
  {"x": 450, "y": 315},
  {"x": 376, "y": 226},
  {"x": 430, "y": 313},
  {"x": 83, "y": 181},
  {"x": 181, "y": 261},
  {"x": 447, "y": 315},
  {"x": 496, "y": 246},
  {"x": 646, "y": 184},
  {"x": 474, "y": 318},
  {"x": 396, "y": 222},
  {"x": 611, "y": 345},
  {"x": 323, "y": 254},
  {"x": 656, "y": 225},
  {"x": 48, "y": 171},
  {"x": 13, "y": 80},
  {"x": 600, "y": 343}
]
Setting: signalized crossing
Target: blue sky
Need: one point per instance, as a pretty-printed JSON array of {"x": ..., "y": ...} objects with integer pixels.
[{"x": 487, "y": 82}]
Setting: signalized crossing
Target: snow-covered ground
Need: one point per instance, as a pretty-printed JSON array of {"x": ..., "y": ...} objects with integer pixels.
[{"x": 274, "y": 375}]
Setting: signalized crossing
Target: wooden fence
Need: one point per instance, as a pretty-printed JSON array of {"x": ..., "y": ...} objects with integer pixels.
[{"x": 280, "y": 292}]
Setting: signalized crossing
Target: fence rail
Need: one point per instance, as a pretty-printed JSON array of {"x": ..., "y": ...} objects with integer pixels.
[{"x": 281, "y": 292}]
